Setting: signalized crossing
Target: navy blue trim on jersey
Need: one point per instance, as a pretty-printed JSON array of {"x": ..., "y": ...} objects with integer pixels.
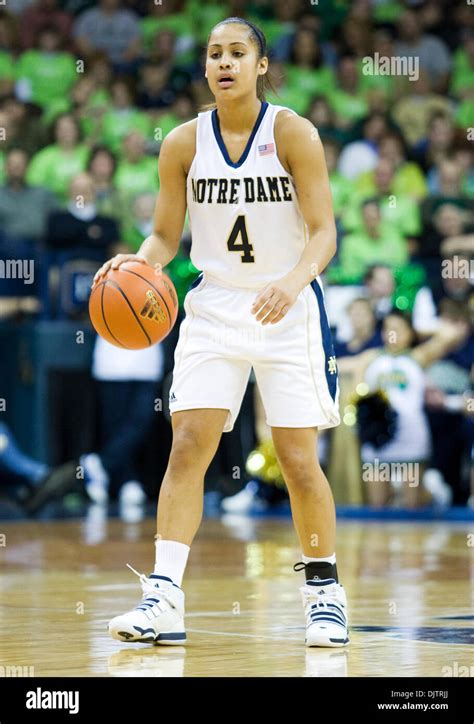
[
  {"x": 326, "y": 338},
  {"x": 220, "y": 140},
  {"x": 197, "y": 281}
]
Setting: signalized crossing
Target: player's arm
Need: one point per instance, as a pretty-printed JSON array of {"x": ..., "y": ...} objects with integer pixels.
[
  {"x": 304, "y": 153},
  {"x": 170, "y": 209},
  {"x": 301, "y": 151}
]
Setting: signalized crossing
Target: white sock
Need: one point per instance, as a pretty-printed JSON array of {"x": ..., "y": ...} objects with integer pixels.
[
  {"x": 171, "y": 559},
  {"x": 329, "y": 559}
]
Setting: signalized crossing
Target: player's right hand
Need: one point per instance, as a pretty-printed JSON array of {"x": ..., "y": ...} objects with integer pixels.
[{"x": 114, "y": 263}]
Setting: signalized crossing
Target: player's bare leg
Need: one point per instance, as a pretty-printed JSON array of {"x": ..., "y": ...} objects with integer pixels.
[
  {"x": 159, "y": 617},
  {"x": 196, "y": 436},
  {"x": 313, "y": 512}
]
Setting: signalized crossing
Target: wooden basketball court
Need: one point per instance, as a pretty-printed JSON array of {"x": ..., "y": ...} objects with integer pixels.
[{"x": 409, "y": 587}]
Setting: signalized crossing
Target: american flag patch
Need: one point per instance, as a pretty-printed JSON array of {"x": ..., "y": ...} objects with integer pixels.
[{"x": 266, "y": 149}]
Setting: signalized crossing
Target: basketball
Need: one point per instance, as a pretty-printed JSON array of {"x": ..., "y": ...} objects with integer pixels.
[{"x": 134, "y": 306}]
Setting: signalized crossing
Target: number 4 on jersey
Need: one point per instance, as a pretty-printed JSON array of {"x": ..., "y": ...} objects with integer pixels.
[{"x": 244, "y": 246}]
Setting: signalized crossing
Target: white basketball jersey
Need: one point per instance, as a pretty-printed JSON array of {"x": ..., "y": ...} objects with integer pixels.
[{"x": 246, "y": 225}]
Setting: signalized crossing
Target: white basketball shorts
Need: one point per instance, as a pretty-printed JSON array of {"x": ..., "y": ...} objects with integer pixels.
[{"x": 293, "y": 360}]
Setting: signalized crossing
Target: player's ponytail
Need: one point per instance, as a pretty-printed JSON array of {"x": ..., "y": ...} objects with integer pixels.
[{"x": 264, "y": 82}]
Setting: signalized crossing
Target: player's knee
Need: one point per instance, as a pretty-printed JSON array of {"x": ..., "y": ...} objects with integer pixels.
[
  {"x": 189, "y": 446},
  {"x": 297, "y": 466}
]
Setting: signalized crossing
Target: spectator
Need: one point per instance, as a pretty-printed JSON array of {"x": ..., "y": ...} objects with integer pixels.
[
  {"x": 306, "y": 69},
  {"x": 397, "y": 370},
  {"x": 112, "y": 29},
  {"x": 447, "y": 220},
  {"x": 43, "y": 14},
  {"x": 362, "y": 332},
  {"x": 80, "y": 225},
  {"x": 409, "y": 178},
  {"x": 397, "y": 208},
  {"x": 54, "y": 166},
  {"x": 448, "y": 387},
  {"x": 433, "y": 54},
  {"x": 379, "y": 283},
  {"x": 341, "y": 187},
  {"x": 388, "y": 85},
  {"x": 414, "y": 111},
  {"x": 462, "y": 79},
  {"x": 7, "y": 50},
  {"x": 23, "y": 209},
  {"x": 140, "y": 221},
  {"x": 46, "y": 75},
  {"x": 182, "y": 110},
  {"x": 101, "y": 166},
  {"x": 374, "y": 242},
  {"x": 445, "y": 180},
  {"x": 156, "y": 89},
  {"x": 122, "y": 117},
  {"x": 345, "y": 99},
  {"x": 361, "y": 156},
  {"x": 439, "y": 142},
  {"x": 127, "y": 383},
  {"x": 463, "y": 155},
  {"x": 173, "y": 17},
  {"x": 100, "y": 70},
  {"x": 281, "y": 30},
  {"x": 22, "y": 475},
  {"x": 283, "y": 93},
  {"x": 136, "y": 172}
]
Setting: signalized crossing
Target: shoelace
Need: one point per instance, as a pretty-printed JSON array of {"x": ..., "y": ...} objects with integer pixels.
[
  {"x": 150, "y": 590},
  {"x": 324, "y": 603}
]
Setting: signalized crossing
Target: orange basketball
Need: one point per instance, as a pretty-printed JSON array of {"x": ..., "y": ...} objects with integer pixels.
[{"x": 134, "y": 306}]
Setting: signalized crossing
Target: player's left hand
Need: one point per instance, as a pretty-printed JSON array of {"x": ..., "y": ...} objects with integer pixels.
[{"x": 274, "y": 301}]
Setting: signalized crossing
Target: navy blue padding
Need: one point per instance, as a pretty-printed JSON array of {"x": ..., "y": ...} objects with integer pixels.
[
  {"x": 197, "y": 281},
  {"x": 327, "y": 339},
  {"x": 220, "y": 140},
  {"x": 171, "y": 636}
]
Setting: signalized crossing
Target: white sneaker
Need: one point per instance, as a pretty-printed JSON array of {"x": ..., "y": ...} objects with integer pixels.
[
  {"x": 158, "y": 619},
  {"x": 439, "y": 489},
  {"x": 245, "y": 500},
  {"x": 325, "y": 607},
  {"x": 132, "y": 493},
  {"x": 96, "y": 478}
]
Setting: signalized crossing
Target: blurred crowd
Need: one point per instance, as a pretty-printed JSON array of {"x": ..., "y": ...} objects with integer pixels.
[{"x": 88, "y": 91}]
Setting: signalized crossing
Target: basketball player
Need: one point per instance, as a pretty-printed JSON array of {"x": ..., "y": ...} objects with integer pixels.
[{"x": 253, "y": 178}]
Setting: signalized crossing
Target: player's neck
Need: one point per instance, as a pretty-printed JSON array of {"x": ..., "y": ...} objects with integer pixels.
[{"x": 239, "y": 116}]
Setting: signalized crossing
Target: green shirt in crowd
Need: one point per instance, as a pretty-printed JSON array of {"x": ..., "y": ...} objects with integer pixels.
[
  {"x": 116, "y": 124},
  {"x": 310, "y": 82},
  {"x": 7, "y": 69},
  {"x": 462, "y": 77},
  {"x": 180, "y": 24},
  {"x": 399, "y": 212},
  {"x": 165, "y": 123},
  {"x": 53, "y": 168},
  {"x": 137, "y": 178},
  {"x": 408, "y": 180},
  {"x": 49, "y": 76},
  {"x": 359, "y": 251},
  {"x": 341, "y": 189},
  {"x": 350, "y": 107}
]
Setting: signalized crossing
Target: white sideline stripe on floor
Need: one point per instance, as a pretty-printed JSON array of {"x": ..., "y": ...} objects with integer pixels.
[{"x": 241, "y": 635}]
